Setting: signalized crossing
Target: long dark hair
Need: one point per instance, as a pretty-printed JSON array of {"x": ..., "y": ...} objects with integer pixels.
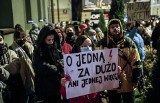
[
  {"x": 44, "y": 32},
  {"x": 79, "y": 42}
]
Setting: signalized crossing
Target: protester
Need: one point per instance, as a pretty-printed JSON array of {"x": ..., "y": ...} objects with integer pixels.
[
  {"x": 128, "y": 60},
  {"x": 83, "y": 44},
  {"x": 70, "y": 36},
  {"x": 21, "y": 91},
  {"x": 92, "y": 34},
  {"x": 99, "y": 32},
  {"x": 136, "y": 37},
  {"x": 82, "y": 27},
  {"x": 6, "y": 54},
  {"x": 18, "y": 27},
  {"x": 65, "y": 47},
  {"x": 77, "y": 30},
  {"x": 47, "y": 66},
  {"x": 19, "y": 84},
  {"x": 87, "y": 22},
  {"x": 21, "y": 46},
  {"x": 58, "y": 38},
  {"x": 140, "y": 24},
  {"x": 6, "y": 57},
  {"x": 4, "y": 75},
  {"x": 156, "y": 37},
  {"x": 153, "y": 94},
  {"x": 148, "y": 28},
  {"x": 63, "y": 25},
  {"x": 138, "y": 40},
  {"x": 33, "y": 33}
]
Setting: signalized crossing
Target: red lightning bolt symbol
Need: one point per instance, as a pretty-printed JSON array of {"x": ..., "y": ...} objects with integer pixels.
[{"x": 110, "y": 54}]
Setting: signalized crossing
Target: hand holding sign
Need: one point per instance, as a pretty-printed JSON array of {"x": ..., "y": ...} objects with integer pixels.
[
  {"x": 65, "y": 79},
  {"x": 91, "y": 72}
]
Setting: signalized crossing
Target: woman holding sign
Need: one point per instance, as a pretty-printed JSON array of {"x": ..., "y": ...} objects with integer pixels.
[{"x": 83, "y": 44}]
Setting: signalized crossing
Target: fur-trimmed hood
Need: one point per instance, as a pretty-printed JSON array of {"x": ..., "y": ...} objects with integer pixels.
[{"x": 121, "y": 34}]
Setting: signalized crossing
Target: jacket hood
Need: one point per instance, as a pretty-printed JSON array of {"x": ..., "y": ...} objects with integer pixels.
[
  {"x": 121, "y": 34},
  {"x": 45, "y": 31}
]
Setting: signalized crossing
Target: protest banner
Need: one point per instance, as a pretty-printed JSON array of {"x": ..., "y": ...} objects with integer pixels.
[
  {"x": 138, "y": 10},
  {"x": 91, "y": 72}
]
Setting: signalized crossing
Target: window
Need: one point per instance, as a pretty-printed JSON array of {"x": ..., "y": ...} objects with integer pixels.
[
  {"x": 6, "y": 16},
  {"x": 28, "y": 11}
]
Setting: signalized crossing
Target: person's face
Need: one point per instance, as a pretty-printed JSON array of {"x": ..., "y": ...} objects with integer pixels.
[
  {"x": 87, "y": 43},
  {"x": 129, "y": 27},
  {"x": 70, "y": 30},
  {"x": 115, "y": 29},
  {"x": 1, "y": 40},
  {"x": 21, "y": 39},
  {"x": 21, "y": 36},
  {"x": 49, "y": 39}
]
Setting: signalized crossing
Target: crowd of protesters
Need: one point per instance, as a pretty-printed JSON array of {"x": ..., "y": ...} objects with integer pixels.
[{"x": 32, "y": 67}]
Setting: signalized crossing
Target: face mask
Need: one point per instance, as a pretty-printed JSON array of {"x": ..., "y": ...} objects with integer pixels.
[
  {"x": 20, "y": 42},
  {"x": 85, "y": 49},
  {"x": 69, "y": 34}
]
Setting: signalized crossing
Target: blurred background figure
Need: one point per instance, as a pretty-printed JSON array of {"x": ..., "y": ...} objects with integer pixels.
[
  {"x": 21, "y": 46},
  {"x": 63, "y": 46},
  {"x": 20, "y": 89},
  {"x": 70, "y": 36},
  {"x": 99, "y": 33},
  {"x": 18, "y": 27},
  {"x": 92, "y": 34},
  {"x": 87, "y": 22},
  {"x": 82, "y": 27},
  {"x": 33, "y": 33}
]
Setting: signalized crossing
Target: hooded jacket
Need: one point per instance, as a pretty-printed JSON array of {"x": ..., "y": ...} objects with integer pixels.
[
  {"x": 46, "y": 67},
  {"x": 128, "y": 57}
]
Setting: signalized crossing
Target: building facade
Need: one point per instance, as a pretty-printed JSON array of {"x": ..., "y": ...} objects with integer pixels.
[
  {"x": 26, "y": 12},
  {"x": 155, "y": 7}
]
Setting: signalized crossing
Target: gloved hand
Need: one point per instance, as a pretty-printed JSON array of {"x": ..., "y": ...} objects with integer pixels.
[{"x": 53, "y": 67}]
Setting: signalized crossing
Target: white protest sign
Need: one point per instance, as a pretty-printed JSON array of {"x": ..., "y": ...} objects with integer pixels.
[{"x": 91, "y": 72}]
